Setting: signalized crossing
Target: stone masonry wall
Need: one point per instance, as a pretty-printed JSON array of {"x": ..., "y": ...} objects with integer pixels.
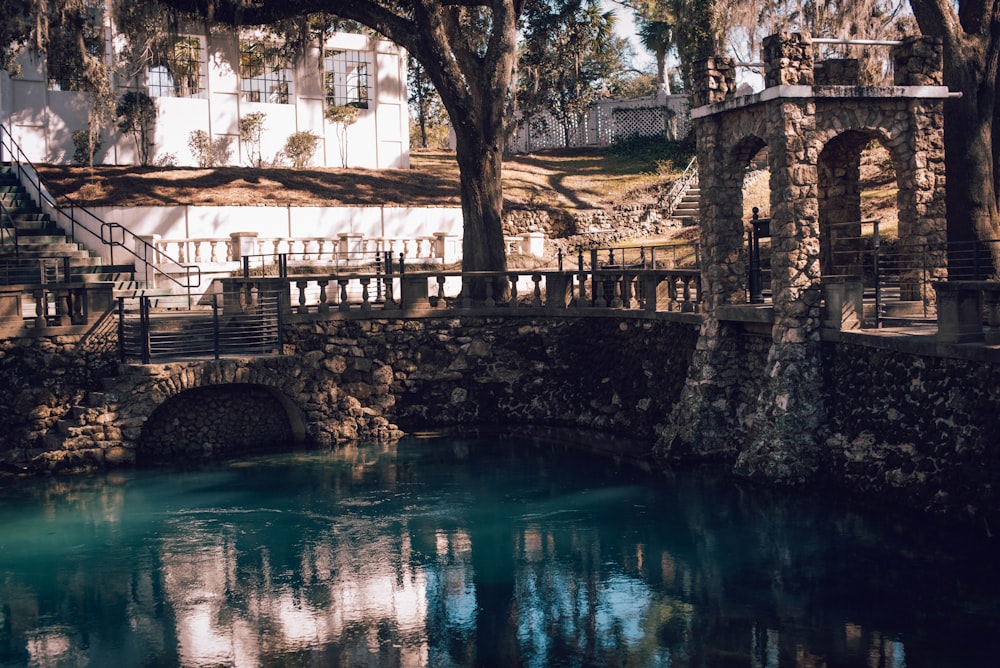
[{"x": 917, "y": 430}]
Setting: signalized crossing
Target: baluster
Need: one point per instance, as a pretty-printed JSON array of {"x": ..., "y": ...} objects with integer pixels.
[
  {"x": 196, "y": 245},
  {"x": 440, "y": 296},
  {"x": 322, "y": 283},
  {"x": 490, "y": 285},
  {"x": 344, "y": 305},
  {"x": 335, "y": 296},
  {"x": 514, "y": 302},
  {"x": 617, "y": 290},
  {"x": 182, "y": 251},
  {"x": 672, "y": 293},
  {"x": 627, "y": 290},
  {"x": 301, "y": 285},
  {"x": 365, "y": 304},
  {"x": 537, "y": 280}
]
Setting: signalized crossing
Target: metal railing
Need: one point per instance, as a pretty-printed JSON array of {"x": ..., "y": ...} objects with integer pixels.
[
  {"x": 897, "y": 278},
  {"x": 147, "y": 336},
  {"x": 676, "y": 192},
  {"x": 81, "y": 224}
]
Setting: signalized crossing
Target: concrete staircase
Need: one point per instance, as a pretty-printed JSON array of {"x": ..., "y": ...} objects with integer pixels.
[
  {"x": 687, "y": 208},
  {"x": 34, "y": 250}
]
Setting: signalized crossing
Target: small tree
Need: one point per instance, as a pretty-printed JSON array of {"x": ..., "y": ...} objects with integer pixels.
[
  {"x": 136, "y": 112},
  {"x": 84, "y": 148},
  {"x": 343, "y": 117},
  {"x": 300, "y": 148},
  {"x": 251, "y": 131},
  {"x": 209, "y": 153}
]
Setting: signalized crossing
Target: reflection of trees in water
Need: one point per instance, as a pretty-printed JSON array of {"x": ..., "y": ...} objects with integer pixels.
[{"x": 449, "y": 556}]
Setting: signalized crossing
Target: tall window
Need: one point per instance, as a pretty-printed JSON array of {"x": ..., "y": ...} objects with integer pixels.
[
  {"x": 176, "y": 68},
  {"x": 66, "y": 69},
  {"x": 264, "y": 73},
  {"x": 346, "y": 78}
]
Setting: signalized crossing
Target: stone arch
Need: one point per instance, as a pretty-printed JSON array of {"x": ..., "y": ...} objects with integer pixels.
[
  {"x": 274, "y": 383},
  {"x": 839, "y": 195},
  {"x": 213, "y": 420}
]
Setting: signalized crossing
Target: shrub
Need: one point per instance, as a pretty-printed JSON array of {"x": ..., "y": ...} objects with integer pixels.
[
  {"x": 83, "y": 149},
  {"x": 209, "y": 153},
  {"x": 251, "y": 132},
  {"x": 300, "y": 148},
  {"x": 136, "y": 112}
]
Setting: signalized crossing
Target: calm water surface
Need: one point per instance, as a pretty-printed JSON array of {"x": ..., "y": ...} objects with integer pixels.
[{"x": 475, "y": 552}]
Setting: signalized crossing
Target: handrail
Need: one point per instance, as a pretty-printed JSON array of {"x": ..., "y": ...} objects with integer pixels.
[
  {"x": 7, "y": 222},
  {"x": 676, "y": 191},
  {"x": 107, "y": 231}
]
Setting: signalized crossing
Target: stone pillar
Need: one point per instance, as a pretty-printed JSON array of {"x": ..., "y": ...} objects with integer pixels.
[
  {"x": 242, "y": 244},
  {"x": 844, "y": 303},
  {"x": 533, "y": 243},
  {"x": 714, "y": 80},
  {"x": 959, "y": 311},
  {"x": 788, "y": 59},
  {"x": 702, "y": 424},
  {"x": 783, "y": 445},
  {"x": 918, "y": 62},
  {"x": 447, "y": 247},
  {"x": 351, "y": 246}
]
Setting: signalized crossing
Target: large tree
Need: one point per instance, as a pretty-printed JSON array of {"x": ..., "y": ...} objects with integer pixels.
[
  {"x": 467, "y": 48},
  {"x": 970, "y": 31}
]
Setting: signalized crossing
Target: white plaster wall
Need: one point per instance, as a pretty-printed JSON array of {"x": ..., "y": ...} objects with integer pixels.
[
  {"x": 201, "y": 222},
  {"x": 42, "y": 121}
]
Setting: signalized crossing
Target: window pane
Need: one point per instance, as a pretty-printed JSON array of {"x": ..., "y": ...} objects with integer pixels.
[
  {"x": 264, "y": 73},
  {"x": 346, "y": 74}
]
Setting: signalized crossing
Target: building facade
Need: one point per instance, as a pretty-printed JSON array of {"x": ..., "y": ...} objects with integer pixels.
[{"x": 207, "y": 81}]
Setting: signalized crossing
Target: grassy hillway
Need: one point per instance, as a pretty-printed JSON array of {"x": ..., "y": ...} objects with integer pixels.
[
  {"x": 552, "y": 180},
  {"x": 557, "y": 179}
]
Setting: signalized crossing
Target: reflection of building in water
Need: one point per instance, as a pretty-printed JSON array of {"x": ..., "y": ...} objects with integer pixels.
[{"x": 231, "y": 612}]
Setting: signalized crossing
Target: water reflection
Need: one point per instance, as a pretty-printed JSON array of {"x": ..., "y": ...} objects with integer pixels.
[{"x": 461, "y": 553}]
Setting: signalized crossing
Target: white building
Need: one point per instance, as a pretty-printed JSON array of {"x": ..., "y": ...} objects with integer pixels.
[{"x": 208, "y": 81}]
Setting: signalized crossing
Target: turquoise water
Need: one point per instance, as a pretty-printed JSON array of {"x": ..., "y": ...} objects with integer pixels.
[{"x": 475, "y": 552}]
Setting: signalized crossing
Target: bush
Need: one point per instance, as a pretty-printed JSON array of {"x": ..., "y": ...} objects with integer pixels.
[
  {"x": 300, "y": 148},
  {"x": 656, "y": 150},
  {"x": 83, "y": 149},
  {"x": 136, "y": 112},
  {"x": 209, "y": 153}
]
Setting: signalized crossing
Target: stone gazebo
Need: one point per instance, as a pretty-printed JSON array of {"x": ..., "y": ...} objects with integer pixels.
[{"x": 814, "y": 120}]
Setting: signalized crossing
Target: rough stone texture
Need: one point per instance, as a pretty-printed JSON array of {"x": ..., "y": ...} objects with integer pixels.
[
  {"x": 788, "y": 59},
  {"x": 344, "y": 380},
  {"x": 917, "y": 62},
  {"x": 813, "y": 147},
  {"x": 212, "y": 421},
  {"x": 918, "y": 431}
]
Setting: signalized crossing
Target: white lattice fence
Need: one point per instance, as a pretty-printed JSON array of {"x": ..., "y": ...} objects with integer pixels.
[{"x": 605, "y": 122}]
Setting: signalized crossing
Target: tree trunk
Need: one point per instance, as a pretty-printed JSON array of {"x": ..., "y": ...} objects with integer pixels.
[
  {"x": 971, "y": 197},
  {"x": 480, "y": 162},
  {"x": 969, "y": 37}
]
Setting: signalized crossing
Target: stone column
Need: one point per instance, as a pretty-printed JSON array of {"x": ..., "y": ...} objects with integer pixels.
[
  {"x": 783, "y": 443},
  {"x": 714, "y": 80},
  {"x": 788, "y": 59},
  {"x": 702, "y": 423}
]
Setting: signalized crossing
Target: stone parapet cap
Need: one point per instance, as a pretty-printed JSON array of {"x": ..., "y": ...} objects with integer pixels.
[{"x": 825, "y": 92}]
